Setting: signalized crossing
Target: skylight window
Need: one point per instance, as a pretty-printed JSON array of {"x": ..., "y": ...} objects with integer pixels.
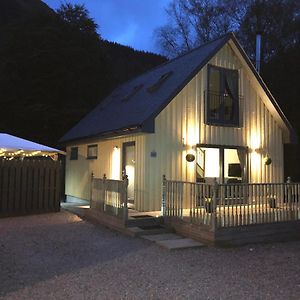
[
  {"x": 154, "y": 87},
  {"x": 133, "y": 92}
]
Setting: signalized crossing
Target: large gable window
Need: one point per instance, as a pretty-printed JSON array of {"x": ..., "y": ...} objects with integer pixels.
[{"x": 222, "y": 97}]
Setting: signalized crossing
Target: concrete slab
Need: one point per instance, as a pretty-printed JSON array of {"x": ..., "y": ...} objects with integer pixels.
[
  {"x": 180, "y": 244},
  {"x": 161, "y": 237},
  {"x": 135, "y": 230}
]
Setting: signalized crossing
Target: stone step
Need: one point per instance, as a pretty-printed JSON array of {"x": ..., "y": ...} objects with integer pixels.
[
  {"x": 181, "y": 243},
  {"x": 144, "y": 221},
  {"x": 161, "y": 237},
  {"x": 148, "y": 230}
]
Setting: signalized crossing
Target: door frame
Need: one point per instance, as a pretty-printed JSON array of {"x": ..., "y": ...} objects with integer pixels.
[{"x": 124, "y": 145}]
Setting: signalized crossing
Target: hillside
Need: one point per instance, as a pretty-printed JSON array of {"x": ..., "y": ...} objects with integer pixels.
[
  {"x": 51, "y": 74},
  {"x": 12, "y": 10}
]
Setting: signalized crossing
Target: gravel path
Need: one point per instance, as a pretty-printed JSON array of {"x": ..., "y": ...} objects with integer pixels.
[{"x": 60, "y": 256}]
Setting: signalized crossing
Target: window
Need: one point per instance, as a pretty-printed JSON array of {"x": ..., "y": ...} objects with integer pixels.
[
  {"x": 222, "y": 97},
  {"x": 74, "y": 153},
  {"x": 92, "y": 151},
  {"x": 227, "y": 165}
]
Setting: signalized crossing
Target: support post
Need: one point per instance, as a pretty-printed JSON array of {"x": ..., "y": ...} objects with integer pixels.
[
  {"x": 214, "y": 205},
  {"x": 92, "y": 187},
  {"x": 164, "y": 195},
  {"x": 125, "y": 199},
  {"x": 289, "y": 190},
  {"x": 103, "y": 196}
]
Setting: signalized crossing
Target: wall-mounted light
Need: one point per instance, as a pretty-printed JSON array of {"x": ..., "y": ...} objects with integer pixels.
[
  {"x": 116, "y": 147},
  {"x": 267, "y": 160},
  {"x": 190, "y": 157}
]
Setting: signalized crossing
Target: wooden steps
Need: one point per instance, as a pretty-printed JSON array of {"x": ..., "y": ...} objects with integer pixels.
[{"x": 144, "y": 221}]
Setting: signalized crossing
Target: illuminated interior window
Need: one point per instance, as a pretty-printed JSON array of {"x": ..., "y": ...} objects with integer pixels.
[
  {"x": 222, "y": 96},
  {"x": 226, "y": 165},
  {"x": 92, "y": 151},
  {"x": 234, "y": 161},
  {"x": 116, "y": 164}
]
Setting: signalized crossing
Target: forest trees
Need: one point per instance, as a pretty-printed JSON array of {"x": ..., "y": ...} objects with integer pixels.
[
  {"x": 55, "y": 68},
  {"x": 194, "y": 22}
]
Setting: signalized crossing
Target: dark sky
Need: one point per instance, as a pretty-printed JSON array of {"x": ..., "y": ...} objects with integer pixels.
[{"x": 128, "y": 22}]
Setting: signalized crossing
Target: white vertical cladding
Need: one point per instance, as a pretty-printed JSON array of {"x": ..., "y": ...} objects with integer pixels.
[
  {"x": 179, "y": 127},
  {"x": 258, "y": 126},
  {"x": 78, "y": 172},
  {"x": 176, "y": 133}
]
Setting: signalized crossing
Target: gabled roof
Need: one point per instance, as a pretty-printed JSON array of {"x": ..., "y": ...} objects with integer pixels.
[{"x": 133, "y": 106}]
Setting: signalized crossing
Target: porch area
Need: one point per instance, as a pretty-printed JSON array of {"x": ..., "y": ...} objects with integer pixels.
[{"x": 212, "y": 213}]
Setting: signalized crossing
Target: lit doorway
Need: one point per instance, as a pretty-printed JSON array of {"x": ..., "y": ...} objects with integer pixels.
[{"x": 128, "y": 167}]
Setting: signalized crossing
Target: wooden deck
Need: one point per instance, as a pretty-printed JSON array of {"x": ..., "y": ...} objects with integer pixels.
[
  {"x": 210, "y": 213},
  {"x": 242, "y": 215}
]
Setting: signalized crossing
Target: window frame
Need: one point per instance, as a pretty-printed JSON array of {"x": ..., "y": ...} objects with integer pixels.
[
  {"x": 72, "y": 154},
  {"x": 245, "y": 171},
  {"x": 88, "y": 156},
  {"x": 236, "y": 102}
]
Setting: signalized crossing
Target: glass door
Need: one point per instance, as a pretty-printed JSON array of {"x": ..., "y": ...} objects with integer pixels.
[{"x": 226, "y": 165}]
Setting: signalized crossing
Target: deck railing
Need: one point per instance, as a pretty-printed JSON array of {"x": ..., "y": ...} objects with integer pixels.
[
  {"x": 110, "y": 196},
  {"x": 231, "y": 205}
]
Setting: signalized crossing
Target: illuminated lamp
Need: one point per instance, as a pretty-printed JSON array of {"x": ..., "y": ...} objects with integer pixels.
[{"x": 190, "y": 157}]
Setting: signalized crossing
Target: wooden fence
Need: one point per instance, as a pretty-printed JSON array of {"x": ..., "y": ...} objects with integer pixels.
[
  {"x": 231, "y": 205},
  {"x": 30, "y": 186},
  {"x": 110, "y": 196}
]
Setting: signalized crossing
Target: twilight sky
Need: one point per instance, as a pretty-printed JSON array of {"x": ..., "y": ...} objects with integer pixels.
[{"x": 128, "y": 22}]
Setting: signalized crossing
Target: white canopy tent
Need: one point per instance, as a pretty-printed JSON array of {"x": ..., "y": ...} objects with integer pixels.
[{"x": 12, "y": 146}]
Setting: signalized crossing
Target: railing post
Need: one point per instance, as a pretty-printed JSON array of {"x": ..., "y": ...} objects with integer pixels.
[
  {"x": 104, "y": 192},
  {"x": 164, "y": 195},
  {"x": 125, "y": 199},
  {"x": 92, "y": 187},
  {"x": 214, "y": 205},
  {"x": 289, "y": 196}
]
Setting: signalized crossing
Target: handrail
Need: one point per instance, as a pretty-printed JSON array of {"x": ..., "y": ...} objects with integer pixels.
[
  {"x": 234, "y": 204},
  {"x": 110, "y": 196}
]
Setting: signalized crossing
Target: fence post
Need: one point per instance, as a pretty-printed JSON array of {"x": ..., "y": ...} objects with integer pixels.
[
  {"x": 125, "y": 199},
  {"x": 214, "y": 205},
  {"x": 92, "y": 187},
  {"x": 164, "y": 195},
  {"x": 103, "y": 196},
  {"x": 289, "y": 196}
]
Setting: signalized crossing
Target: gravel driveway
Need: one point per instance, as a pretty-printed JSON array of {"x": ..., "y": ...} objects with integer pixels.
[{"x": 60, "y": 256}]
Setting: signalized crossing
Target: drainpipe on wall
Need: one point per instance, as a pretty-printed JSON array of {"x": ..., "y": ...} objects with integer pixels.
[{"x": 258, "y": 50}]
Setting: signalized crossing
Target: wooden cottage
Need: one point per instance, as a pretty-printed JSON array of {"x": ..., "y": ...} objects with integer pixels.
[{"x": 202, "y": 117}]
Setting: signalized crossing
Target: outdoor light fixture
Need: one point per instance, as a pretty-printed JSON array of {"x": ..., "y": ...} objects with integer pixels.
[
  {"x": 267, "y": 160},
  {"x": 190, "y": 157}
]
